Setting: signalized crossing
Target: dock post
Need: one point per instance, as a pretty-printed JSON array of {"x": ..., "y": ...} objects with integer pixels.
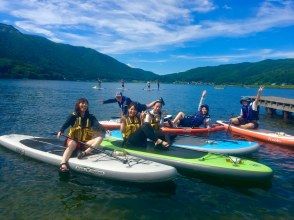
[
  {"x": 286, "y": 115},
  {"x": 270, "y": 111}
]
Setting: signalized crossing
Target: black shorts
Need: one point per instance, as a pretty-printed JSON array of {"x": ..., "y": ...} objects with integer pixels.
[{"x": 242, "y": 121}]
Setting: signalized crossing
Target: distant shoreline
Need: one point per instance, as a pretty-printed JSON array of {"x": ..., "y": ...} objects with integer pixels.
[{"x": 185, "y": 83}]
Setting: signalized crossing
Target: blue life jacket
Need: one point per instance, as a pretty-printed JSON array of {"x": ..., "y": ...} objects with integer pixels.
[
  {"x": 198, "y": 119},
  {"x": 249, "y": 114}
]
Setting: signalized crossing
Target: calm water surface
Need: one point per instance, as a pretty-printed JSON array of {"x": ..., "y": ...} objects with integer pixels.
[{"x": 30, "y": 189}]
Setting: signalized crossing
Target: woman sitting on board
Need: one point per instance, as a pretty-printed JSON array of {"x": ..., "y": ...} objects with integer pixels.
[
  {"x": 248, "y": 118},
  {"x": 155, "y": 118},
  {"x": 136, "y": 133},
  {"x": 84, "y": 128},
  {"x": 202, "y": 117},
  {"x": 124, "y": 101}
]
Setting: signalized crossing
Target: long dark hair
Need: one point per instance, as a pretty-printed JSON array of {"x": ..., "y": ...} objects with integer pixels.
[
  {"x": 77, "y": 107},
  {"x": 133, "y": 104}
]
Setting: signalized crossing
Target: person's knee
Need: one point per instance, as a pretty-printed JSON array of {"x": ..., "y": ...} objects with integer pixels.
[
  {"x": 235, "y": 121},
  {"x": 182, "y": 114},
  {"x": 248, "y": 126}
]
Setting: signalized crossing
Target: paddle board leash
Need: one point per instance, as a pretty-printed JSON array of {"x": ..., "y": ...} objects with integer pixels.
[{"x": 230, "y": 123}]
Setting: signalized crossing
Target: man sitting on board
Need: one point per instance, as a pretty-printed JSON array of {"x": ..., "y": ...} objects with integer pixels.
[{"x": 248, "y": 118}]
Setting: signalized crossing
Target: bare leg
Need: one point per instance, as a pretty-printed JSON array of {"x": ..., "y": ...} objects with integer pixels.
[
  {"x": 234, "y": 121},
  {"x": 71, "y": 146},
  {"x": 177, "y": 119},
  {"x": 94, "y": 143},
  {"x": 248, "y": 126}
]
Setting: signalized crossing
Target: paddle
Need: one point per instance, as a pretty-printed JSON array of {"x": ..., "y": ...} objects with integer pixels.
[
  {"x": 115, "y": 117},
  {"x": 95, "y": 149}
]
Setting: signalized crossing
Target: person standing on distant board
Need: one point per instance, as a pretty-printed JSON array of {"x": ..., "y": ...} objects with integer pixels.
[
  {"x": 148, "y": 85},
  {"x": 157, "y": 82},
  {"x": 122, "y": 84},
  {"x": 99, "y": 84},
  {"x": 249, "y": 116}
]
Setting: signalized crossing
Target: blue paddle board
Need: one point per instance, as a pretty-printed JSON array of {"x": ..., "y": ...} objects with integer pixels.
[{"x": 232, "y": 147}]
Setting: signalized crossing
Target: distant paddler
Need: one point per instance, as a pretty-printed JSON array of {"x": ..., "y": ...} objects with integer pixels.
[
  {"x": 148, "y": 85},
  {"x": 99, "y": 83},
  {"x": 122, "y": 84},
  {"x": 249, "y": 115},
  {"x": 157, "y": 82}
]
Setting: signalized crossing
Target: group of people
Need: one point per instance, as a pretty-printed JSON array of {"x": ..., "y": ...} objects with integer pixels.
[{"x": 140, "y": 122}]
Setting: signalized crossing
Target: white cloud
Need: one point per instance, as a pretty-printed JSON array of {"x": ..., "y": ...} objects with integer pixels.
[
  {"x": 29, "y": 27},
  {"x": 130, "y": 65},
  {"x": 152, "y": 61},
  {"x": 227, "y": 7},
  {"x": 247, "y": 55},
  {"x": 129, "y": 25}
]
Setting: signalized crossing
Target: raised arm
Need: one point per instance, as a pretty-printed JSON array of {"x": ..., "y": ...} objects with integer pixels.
[
  {"x": 255, "y": 103},
  {"x": 202, "y": 99},
  {"x": 259, "y": 93}
]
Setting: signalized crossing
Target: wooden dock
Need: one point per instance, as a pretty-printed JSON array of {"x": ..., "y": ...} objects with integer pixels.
[{"x": 272, "y": 103}]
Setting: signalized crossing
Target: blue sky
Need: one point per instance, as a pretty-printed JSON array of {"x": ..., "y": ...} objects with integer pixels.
[{"x": 163, "y": 36}]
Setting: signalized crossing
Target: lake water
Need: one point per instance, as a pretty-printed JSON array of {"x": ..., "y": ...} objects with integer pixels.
[{"x": 30, "y": 189}]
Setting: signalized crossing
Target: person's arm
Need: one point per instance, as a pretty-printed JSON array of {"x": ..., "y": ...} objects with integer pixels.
[
  {"x": 147, "y": 118},
  {"x": 69, "y": 121},
  {"x": 161, "y": 122},
  {"x": 149, "y": 105},
  {"x": 122, "y": 124},
  {"x": 255, "y": 103},
  {"x": 207, "y": 122},
  {"x": 202, "y": 99},
  {"x": 241, "y": 114},
  {"x": 97, "y": 126},
  {"x": 109, "y": 101}
]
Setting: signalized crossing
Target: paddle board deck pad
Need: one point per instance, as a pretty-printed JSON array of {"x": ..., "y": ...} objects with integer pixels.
[
  {"x": 102, "y": 165},
  {"x": 216, "y": 165},
  {"x": 279, "y": 138},
  {"x": 191, "y": 131},
  {"x": 231, "y": 147}
]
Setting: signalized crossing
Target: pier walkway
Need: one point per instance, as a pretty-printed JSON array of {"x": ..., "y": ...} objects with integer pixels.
[{"x": 272, "y": 103}]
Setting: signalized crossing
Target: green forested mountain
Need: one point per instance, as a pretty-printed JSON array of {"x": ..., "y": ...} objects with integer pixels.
[
  {"x": 34, "y": 57},
  {"x": 28, "y": 56},
  {"x": 263, "y": 72}
]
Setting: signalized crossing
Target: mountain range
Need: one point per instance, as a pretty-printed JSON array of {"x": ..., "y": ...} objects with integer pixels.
[{"x": 35, "y": 57}]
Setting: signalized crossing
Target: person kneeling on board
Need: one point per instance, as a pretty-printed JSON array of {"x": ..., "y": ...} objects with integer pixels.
[
  {"x": 201, "y": 117},
  {"x": 136, "y": 133},
  {"x": 84, "y": 129},
  {"x": 249, "y": 116}
]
